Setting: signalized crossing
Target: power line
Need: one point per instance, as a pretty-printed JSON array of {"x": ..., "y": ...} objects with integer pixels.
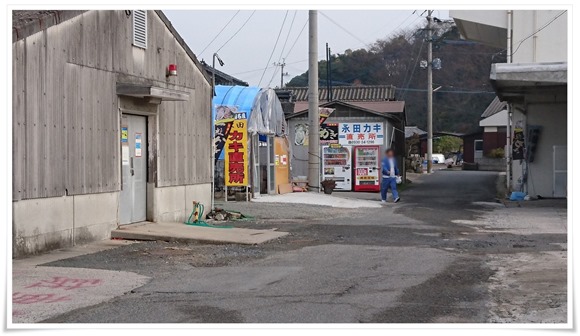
[
  {"x": 539, "y": 30},
  {"x": 282, "y": 64},
  {"x": 273, "y": 49},
  {"x": 344, "y": 29},
  {"x": 447, "y": 91},
  {"x": 287, "y": 36},
  {"x": 218, "y": 34},
  {"x": 414, "y": 67},
  {"x": 272, "y": 66},
  {"x": 403, "y": 83},
  {"x": 236, "y": 33},
  {"x": 395, "y": 29},
  {"x": 297, "y": 38}
]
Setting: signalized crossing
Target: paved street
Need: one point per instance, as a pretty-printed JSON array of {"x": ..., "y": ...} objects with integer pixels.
[{"x": 447, "y": 253}]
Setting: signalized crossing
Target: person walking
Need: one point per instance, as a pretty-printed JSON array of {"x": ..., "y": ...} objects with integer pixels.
[{"x": 390, "y": 173}]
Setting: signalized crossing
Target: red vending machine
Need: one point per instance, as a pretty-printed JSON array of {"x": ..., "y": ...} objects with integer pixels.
[{"x": 367, "y": 168}]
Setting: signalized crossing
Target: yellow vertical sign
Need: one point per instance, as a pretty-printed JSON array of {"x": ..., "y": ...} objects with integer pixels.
[{"x": 236, "y": 154}]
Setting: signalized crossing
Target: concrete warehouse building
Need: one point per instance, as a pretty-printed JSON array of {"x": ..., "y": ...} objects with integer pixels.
[
  {"x": 535, "y": 87},
  {"x": 111, "y": 125}
]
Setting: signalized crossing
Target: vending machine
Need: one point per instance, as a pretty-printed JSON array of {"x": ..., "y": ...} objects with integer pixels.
[
  {"x": 367, "y": 168},
  {"x": 336, "y": 165}
]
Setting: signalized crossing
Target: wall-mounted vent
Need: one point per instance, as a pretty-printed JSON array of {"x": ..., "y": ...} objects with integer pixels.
[{"x": 140, "y": 28}]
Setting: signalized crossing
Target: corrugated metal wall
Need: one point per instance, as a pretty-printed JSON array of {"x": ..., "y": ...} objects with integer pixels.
[
  {"x": 65, "y": 121},
  {"x": 184, "y": 150},
  {"x": 65, "y": 115}
]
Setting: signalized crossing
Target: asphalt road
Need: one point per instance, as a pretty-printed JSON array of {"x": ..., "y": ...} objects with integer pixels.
[{"x": 409, "y": 262}]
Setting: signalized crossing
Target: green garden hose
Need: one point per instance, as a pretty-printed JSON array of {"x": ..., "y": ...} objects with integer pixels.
[{"x": 196, "y": 213}]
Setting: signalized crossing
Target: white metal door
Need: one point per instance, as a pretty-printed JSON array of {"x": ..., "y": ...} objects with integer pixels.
[
  {"x": 560, "y": 171},
  {"x": 336, "y": 165},
  {"x": 478, "y": 149},
  {"x": 133, "y": 197}
]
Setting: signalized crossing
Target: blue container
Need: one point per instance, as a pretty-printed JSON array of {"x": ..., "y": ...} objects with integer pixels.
[{"x": 517, "y": 196}]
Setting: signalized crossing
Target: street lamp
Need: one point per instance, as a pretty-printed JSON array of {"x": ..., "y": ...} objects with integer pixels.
[
  {"x": 212, "y": 127},
  {"x": 215, "y": 55}
]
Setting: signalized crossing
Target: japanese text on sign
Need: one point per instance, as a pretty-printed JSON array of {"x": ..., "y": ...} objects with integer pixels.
[
  {"x": 236, "y": 154},
  {"x": 328, "y": 133},
  {"x": 364, "y": 133}
]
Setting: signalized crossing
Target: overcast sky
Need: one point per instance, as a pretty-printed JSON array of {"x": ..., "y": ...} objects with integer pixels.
[{"x": 248, "y": 52}]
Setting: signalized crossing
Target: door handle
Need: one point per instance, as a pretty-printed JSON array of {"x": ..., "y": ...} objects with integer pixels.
[{"x": 131, "y": 166}]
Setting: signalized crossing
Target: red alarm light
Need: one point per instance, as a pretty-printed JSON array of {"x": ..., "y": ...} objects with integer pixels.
[{"x": 172, "y": 70}]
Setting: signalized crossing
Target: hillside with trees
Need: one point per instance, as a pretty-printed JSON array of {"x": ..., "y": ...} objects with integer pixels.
[{"x": 464, "y": 77}]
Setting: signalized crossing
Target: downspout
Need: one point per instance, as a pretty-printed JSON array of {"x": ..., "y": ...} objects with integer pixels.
[{"x": 508, "y": 152}]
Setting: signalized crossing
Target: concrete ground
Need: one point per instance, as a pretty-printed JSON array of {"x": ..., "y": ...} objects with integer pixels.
[
  {"x": 194, "y": 233},
  {"x": 39, "y": 292},
  {"x": 447, "y": 253}
]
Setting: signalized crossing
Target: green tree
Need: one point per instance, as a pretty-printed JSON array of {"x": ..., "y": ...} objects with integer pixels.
[
  {"x": 395, "y": 61},
  {"x": 447, "y": 144}
]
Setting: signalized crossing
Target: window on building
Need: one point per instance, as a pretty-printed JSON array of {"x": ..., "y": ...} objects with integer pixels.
[{"x": 140, "y": 28}]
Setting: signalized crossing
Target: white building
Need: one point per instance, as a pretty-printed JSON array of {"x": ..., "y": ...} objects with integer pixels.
[{"x": 534, "y": 83}]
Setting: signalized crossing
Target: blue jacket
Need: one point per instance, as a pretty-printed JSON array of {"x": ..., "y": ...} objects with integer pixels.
[{"x": 386, "y": 169}]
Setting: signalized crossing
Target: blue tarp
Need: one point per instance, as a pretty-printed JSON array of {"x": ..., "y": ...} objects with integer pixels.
[
  {"x": 240, "y": 96},
  {"x": 262, "y": 107}
]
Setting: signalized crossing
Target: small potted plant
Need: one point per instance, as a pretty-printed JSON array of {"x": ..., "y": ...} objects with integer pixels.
[{"x": 328, "y": 186}]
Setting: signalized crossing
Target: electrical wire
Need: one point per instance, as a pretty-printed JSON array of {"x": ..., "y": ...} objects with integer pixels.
[
  {"x": 287, "y": 36},
  {"x": 345, "y": 30},
  {"x": 297, "y": 38},
  {"x": 537, "y": 31},
  {"x": 236, "y": 33},
  {"x": 271, "y": 66},
  {"x": 403, "y": 84},
  {"x": 399, "y": 26},
  {"x": 447, "y": 91},
  {"x": 414, "y": 68},
  {"x": 273, "y": 49},
  {"x": 219, "y": 33},
  {"x": 283, "y": 48}
]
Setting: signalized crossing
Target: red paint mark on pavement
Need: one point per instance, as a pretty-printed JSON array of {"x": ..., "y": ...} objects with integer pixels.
[
  {"x": 17, "y": 313},
  {"x": 24, "y": 298},
  {"x": 67, "y": 283}
]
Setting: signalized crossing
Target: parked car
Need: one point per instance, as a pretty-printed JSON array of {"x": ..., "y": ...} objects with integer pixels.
[{"x": 438, "y": 158}]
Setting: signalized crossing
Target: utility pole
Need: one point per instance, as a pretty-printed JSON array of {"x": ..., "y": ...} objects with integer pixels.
[
  {"x": 282, "y": 73},
  {"x": 429, "y": 92},
  {"x": 313, "y": 113},
  {"x": 508, "y": 150},
  {"x": 212, "y": 128}
]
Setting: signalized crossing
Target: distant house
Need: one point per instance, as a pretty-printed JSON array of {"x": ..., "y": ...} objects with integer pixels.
[
  {"x": 411, "y": 131},
  {"x": 350, "y": 105},
  {"x": 478, "y": 145},
  {"x": 222, "y": 78},
  {"x": 472, "y": 147},
  {"x": 346, "y": 93},
  {"x": 493, "y": 121}
]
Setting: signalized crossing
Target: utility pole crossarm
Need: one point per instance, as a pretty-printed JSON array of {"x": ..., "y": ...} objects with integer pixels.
[{"x": 282, "y": 73}]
